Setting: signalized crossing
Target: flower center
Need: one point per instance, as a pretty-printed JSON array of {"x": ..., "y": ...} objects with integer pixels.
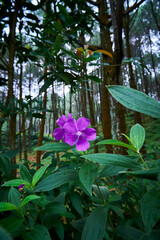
[{"x": 79, "y": 133}]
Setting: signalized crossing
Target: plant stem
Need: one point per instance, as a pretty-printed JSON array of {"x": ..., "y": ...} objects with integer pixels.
[{"x": 142, "y": 160}]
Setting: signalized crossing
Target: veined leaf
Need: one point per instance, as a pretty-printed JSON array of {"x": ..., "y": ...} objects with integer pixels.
[
  {"x": 14, "y": 197},
  {"x": 150, "y": 209},
  {"x": 54, "y": 147},
  {"x": 5, "y": 206},
  {"x": 113, "y": 160},
  {"x": 11, "y": 223},
  {"x": 16, "y": 183},
  {"x": 29, "y": 198},
  {"x": 56, "y": 179},
  {"x": 87, "y": 175},
  {"x": 38, "y": 174},
  {"x": 95, "y": 225},
  {"x": 137, "y": 136},
  {"x": 151, "y": 174},
  {"x": 76, "y": 202},
  {"x": 4, "y": 235},
  {"x": 38, "y": 232},
  {"x": 135, "y": 100},
  {"x": 24, "y": 173},
  {"x": 117, "y": 143}
]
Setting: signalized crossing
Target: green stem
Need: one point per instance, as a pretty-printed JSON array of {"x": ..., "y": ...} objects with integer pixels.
[
  {"x": 142, "y": 160},
  {"x": 100, "y": 192}
]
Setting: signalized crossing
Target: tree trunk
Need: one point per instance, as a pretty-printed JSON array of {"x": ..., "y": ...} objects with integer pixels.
[
  {"x": 38, "y": 155},
  {"x": 106, "y": 45}
]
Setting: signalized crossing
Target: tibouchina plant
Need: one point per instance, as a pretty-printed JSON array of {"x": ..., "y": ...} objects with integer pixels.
[{"x": 75, "y": 132}]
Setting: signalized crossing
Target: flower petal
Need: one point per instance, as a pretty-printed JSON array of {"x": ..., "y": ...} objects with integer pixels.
[
  {"x": 82, "y": 123},
  {"x": 62, "y": 120},
  {"x": 58, "y": 133},
  {"x": 82, "y": 144},
  {"x": 70, "y": 126},
  {"x": 89, "y": 133},
  {"x": 69, "y": 116},
  {"x": 70, "y": 138}
]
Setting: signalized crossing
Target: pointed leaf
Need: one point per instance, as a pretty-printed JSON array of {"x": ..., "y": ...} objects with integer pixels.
[
  {"x": 56, "y": 179},
  {"x": 55, "y": 208},
  {"x": 76, "y": 202},
  {"x": 95, "y": 225},
  {"x": 151, "y": 174},
  {"x": 5, "y": 206},
  {"x": 11, "y": 223},
  {"x": 135, "y": 100},
  {"x": 38, "y": 232},
  {"x": 150, "y": 209},
  {"x": 113, "y": 160},
  {"x": 29, "y": 198},
  {"x": 4, "y": 235},
  {"x": 38, "y": 174},
  {"x": 117, "y": 143},
  {"x": 16, "y": 183},
  {"x": 14, "y": 197},
  {"x": 55, "y": 147},
  {"x": 24, "y": 173},
  {"x": 137, "y": 136},
  {"x": 87, "y": 175}
]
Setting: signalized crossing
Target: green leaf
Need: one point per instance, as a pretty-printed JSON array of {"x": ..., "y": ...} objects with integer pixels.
[
  {"x": 67, "y": 77},
  {"x": 101, "y": 191},
  {"x": 109, "y": 171},
  {"x": 38, "y": 115},
  {"x": 113, "y": 160},
  {"x": 76, "y": 202},
  {"x": 137, "y": 136},
  {"x": 47, "y": 84},
  {"x": 151, "y": 174},
  {"x": 129, "y": 233},
  {"x": 38, "y": 232},
  {"x": 16, "y": 183},
  {"x": 59, "y": 227},
  {"x": 38, "y": 174},
  {"x": 55, "y": 147},
  {"x": 11, "y": 223},
  {"x": 117, "y": 143},
  {"x": 95, "y": 225},
  {"x": 29, "y": 199},
  {"x": 4, "y": 235},
  {"x": 150, "y": 209},
  {"x": 24, "y": 173},
  {"x": 5, "y": 164},
  {"x": 14, "y": 197},
  {"x": 55, "y": 208},
  {"x": 57, "y": 43},
  {"x": 135, "y": 100},
  {"x": 56, "y": 179},
  {"x": 5, "y": 206},
  {"x": 87, "y": 175},
  {"x": 94, "y": 78}
]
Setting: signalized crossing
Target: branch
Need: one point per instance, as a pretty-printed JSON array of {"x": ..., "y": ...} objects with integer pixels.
[{"x": 134, "y": 6}]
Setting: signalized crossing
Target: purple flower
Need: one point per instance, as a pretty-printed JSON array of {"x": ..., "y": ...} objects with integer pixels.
[
  {"x": 21, "y": 187},
  {"x": 79, "y": 133},
  {"x": 59, "y": 132}
]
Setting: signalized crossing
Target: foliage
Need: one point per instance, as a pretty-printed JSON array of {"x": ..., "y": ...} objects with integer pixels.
[{"x": 88, "y": 196}]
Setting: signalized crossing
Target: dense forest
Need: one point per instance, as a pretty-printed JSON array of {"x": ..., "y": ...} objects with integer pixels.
[{"x": 96, "y": 62}]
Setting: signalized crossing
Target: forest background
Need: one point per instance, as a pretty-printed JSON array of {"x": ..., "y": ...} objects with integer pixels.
[
  {"x": 57, "y": 57},
  {"x": 82, "y": 57}
]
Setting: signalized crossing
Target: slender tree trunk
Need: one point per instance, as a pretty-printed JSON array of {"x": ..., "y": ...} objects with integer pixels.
[
  {"x": 38, "y": 155},
  {"x": 137, "y": 115},
  {"x": 106, "y": 45}
]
